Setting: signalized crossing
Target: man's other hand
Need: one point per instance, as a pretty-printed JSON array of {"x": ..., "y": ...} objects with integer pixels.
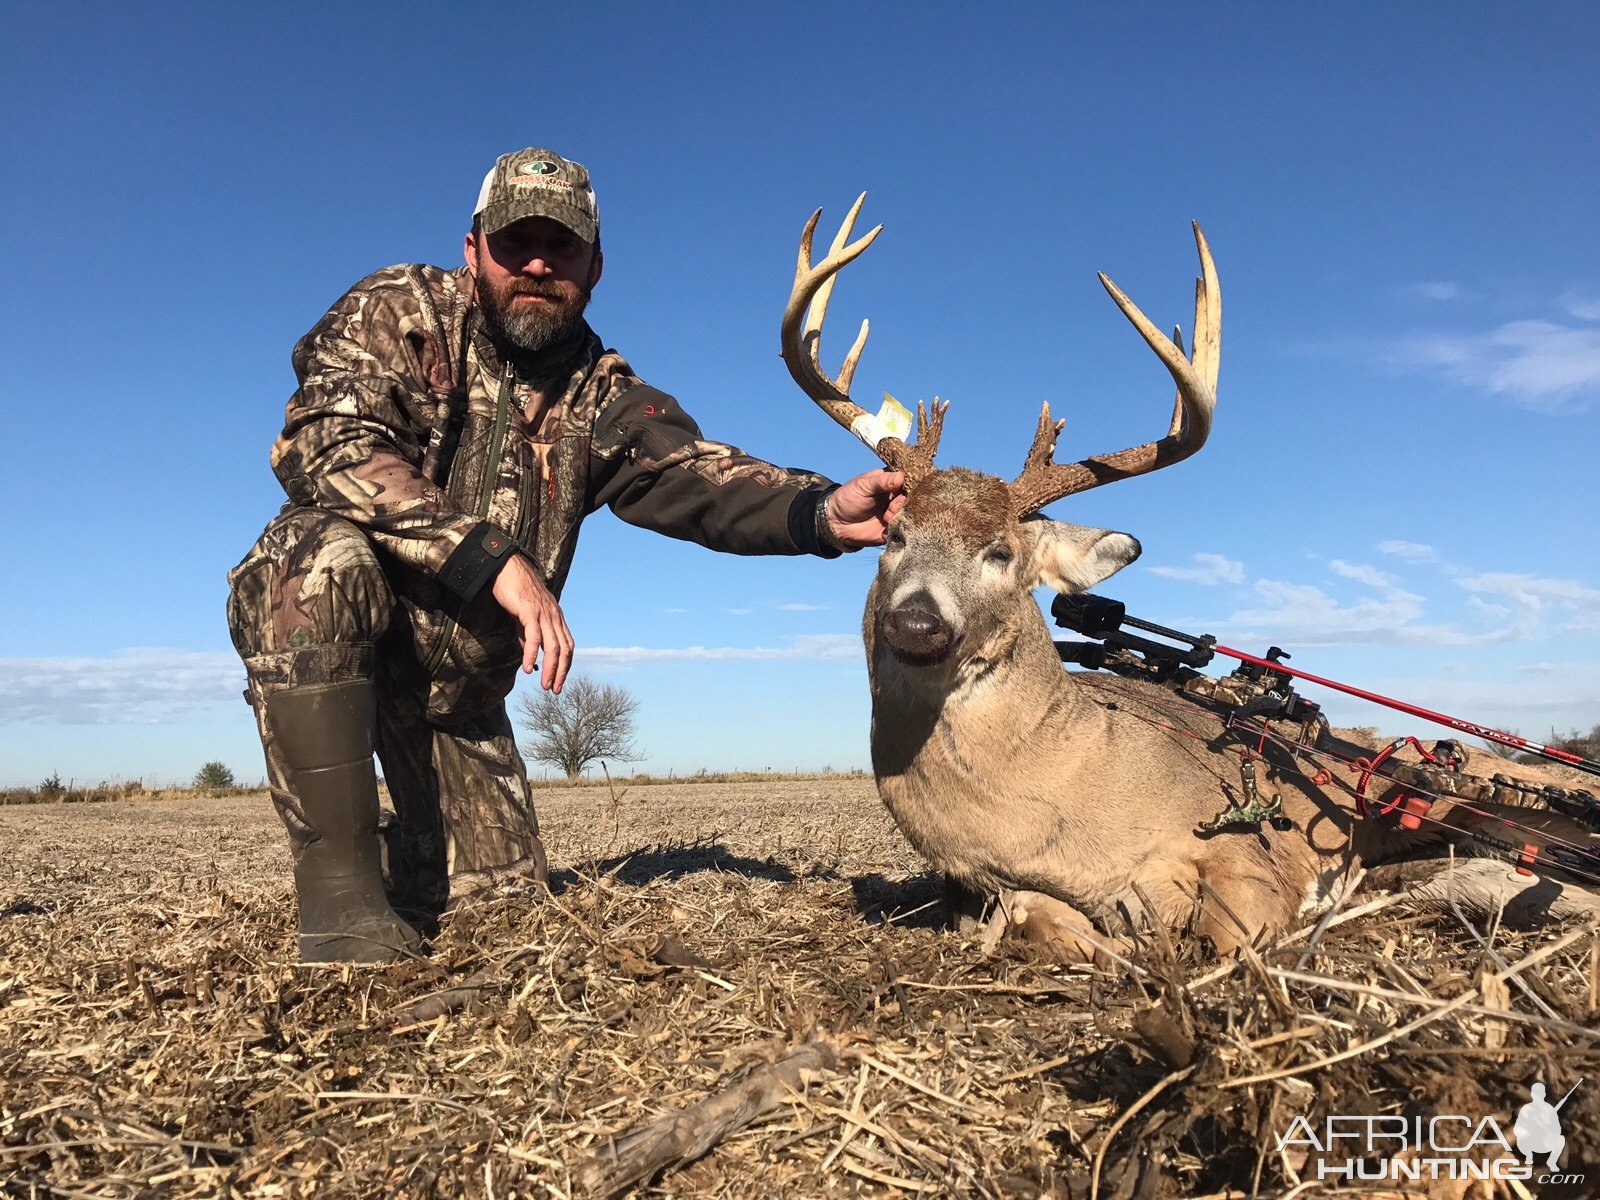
[
  {"x": 860, "y": 510},
  {"x": 522, "y": 594}
]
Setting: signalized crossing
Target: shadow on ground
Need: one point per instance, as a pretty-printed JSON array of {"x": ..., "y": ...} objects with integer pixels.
[
  {"x": 667, "y": 863},
  {"x": 914, "y": 903}
]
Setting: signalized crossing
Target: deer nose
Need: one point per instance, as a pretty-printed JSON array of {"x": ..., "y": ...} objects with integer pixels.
[{"x": 917, "y": 635}]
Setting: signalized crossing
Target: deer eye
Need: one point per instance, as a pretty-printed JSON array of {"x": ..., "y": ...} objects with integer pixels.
[{"x": 998, "y": 555}]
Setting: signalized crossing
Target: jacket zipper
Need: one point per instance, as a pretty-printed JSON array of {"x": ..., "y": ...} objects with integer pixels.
[{"x": 497, "y": 445}]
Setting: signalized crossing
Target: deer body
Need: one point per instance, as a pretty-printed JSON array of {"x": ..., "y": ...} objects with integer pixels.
[
  {"x": 1077, "y": 799},
  {"x": 1011, "y": 775}
]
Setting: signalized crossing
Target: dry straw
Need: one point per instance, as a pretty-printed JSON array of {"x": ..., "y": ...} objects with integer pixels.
[{"x": 735, "y": 990}]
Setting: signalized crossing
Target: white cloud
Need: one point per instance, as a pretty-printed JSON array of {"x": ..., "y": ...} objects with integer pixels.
[
  {"x": 797, "y": 607},
  {"x": 673, "y": 612},
  {"x": 830, "y": 647},
  {"x": 738, "y": 612},
  {"x": 1533, "y": 595},
  {"x": 1582, "y": 306},
  {"x": 1361, "y": 573},
  {"x": 1495, "y": 612},
  {"x": 138, "y": 686},
  {"x": 1563, "y": 591},
  {"x": 1409, "y": 551},
  {"x": 155, "y": 686},
  {"x": 1305, "y": 615},
  {"x": 1436, "y": 291},
  {"x": 1500, "y": 607},
  {"x": 1209, "y": 569},
  {"x": 1538, "y": 364}
]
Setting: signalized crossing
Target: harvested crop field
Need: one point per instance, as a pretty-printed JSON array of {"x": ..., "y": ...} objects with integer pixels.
[{"x": 766, "y": 960}]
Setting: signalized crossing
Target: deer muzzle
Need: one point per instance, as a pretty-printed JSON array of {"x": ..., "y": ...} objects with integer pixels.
[{"x": 917, "y": 634}]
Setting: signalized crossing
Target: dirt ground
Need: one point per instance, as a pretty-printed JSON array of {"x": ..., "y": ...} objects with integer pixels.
[{"x": 158, "y": 1039}]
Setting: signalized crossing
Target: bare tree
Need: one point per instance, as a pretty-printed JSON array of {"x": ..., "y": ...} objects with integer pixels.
[
  {"x": 1586, "y": 745},
  {"x": 587, "y": 721},
  {"x": 1501, "y": 750}
]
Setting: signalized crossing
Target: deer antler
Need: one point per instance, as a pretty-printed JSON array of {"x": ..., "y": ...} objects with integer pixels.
[
  {"x": 802, "y": 338},
  {"x": 1043, "y": 480}
]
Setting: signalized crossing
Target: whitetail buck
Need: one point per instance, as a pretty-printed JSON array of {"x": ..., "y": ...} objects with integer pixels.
[{"x": 1074, "y": 798}]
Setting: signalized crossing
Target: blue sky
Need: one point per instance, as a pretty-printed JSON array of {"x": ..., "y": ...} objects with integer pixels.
[{"x": 1400, "y": 486}]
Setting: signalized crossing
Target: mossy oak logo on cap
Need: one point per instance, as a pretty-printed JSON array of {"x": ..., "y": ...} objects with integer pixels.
[{"x": 537, "y": 183}]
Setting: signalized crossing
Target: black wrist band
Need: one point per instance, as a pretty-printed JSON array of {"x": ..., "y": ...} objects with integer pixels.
[{"x": 476, "y": 560}]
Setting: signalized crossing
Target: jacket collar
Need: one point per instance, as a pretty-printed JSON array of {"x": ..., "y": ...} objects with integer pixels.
[{"x": 577, "y": 353}]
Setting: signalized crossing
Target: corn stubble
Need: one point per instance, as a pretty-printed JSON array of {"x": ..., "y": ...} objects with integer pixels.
[{"x": 735, "y": 989}]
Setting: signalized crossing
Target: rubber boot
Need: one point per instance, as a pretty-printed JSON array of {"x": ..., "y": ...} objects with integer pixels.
[{"x": 324, "y": 733}]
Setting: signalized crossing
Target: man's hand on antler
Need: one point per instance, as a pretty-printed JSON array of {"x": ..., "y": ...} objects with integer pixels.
[{"x": 860, "y": 510}]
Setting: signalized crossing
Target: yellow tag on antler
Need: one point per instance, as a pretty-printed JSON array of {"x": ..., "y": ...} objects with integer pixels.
[{"x": 893, "y": 420}]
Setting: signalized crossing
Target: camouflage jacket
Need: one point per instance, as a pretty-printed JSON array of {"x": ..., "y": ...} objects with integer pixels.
[{"x": 408, "y": 423}]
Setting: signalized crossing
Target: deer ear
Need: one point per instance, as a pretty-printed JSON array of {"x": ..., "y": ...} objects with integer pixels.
[{"x": 1073, "y": 558}]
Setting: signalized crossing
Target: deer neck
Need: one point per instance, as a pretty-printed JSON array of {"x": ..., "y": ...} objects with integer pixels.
[{"x": 970, "y": 716}]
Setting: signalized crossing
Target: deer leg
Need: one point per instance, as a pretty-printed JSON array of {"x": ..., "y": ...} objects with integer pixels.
[
  {"x": 1480, "y": 886},
  {"x": 1240, "y": 905},
  {"x": 1165, "y": 894},
  {"x": 1057, "y": 927},
  {"x": 964, "y": 907}
]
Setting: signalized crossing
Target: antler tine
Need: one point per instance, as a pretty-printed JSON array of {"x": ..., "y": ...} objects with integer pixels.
[
  {"x": 802, "y": 338},
  {"x": 929, "y": 428},
  {"x": 1044, "y": 441},
  {"x": 1043, "y": 481},
  {"x": 1176, "y": 428},
  {"x": 847, "y": 373},
  {"x": 824, "y": 291},
  {"x": 916, "y": 461},
  {"x": 1207, "y": 345},
  {"x": 801, "y": 331}
]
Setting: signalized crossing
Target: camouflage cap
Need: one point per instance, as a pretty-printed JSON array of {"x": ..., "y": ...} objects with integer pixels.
[{"x": 538, "y": 183}]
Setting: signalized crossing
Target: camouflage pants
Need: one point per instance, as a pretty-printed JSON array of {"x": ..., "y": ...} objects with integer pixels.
[{"x": 312, "y": 603}]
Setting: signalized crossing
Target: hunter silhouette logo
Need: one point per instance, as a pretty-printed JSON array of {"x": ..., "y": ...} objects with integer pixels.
[{"x": 1538, "y": 1128}]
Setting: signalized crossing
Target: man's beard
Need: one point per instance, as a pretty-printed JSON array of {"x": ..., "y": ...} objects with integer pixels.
[{"x": 531, "y": 328}]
